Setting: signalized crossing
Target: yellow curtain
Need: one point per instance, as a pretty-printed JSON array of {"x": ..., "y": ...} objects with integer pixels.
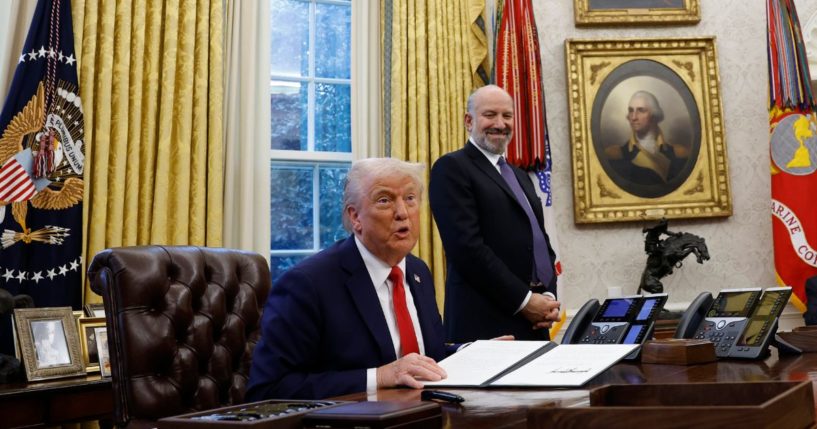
[
  {"x": 151, "y": 82},
  {"x": 427, "y": 77}
]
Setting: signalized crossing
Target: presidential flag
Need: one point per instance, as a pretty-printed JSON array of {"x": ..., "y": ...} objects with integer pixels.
[
  {"x": 793, "y": 149},
  {"x": 518, "y": 69},
  {"x": 41, "y": 164}
]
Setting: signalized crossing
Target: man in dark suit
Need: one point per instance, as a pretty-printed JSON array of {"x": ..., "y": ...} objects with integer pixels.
[
  {"x": 342, "y": 321},
  {"x": 496, "y": 277}
]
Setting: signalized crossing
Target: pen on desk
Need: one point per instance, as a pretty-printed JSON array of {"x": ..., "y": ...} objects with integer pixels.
[{"x": 431, "y": 395}]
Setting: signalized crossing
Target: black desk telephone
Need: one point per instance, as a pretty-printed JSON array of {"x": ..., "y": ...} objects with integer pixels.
[
  {"x": 625, "y": 320},
  {"x": 741, "y": 322}
]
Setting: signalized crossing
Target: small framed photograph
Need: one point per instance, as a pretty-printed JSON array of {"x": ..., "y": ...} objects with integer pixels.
[
  {"x": 647, "y": 130},
  {"x": 635, "y": 12},
  {"x": 103, "y": 352},
  {"x": 89, "y": 331},
  {"x": 95, "y": 310},
  {"x": 78, "y": 314},
  {"x": 49, "y": 343}
]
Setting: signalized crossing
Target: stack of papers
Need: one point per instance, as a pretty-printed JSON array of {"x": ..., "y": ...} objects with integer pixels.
[{"x": 529, "y": 363}]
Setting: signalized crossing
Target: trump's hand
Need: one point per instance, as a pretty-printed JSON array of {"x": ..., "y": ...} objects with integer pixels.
[
  {"x": 542, "y": 311},
  {"x": 406, "y": 370}
]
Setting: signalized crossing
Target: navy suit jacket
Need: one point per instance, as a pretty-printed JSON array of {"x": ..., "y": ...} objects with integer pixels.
[
  {"x": 488, "y": 246},
  {"x": 323, "y": 327}
]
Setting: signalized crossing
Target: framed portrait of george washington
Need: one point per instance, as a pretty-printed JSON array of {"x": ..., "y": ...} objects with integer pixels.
[
  {"x": 646, "y": 130},
  {"x": 635, "y": 12}
]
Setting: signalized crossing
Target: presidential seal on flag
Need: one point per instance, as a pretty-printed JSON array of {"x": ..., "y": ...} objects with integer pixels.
[{"x": 42, "y": 162}]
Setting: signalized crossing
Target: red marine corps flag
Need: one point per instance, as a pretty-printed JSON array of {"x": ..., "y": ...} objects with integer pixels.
[{"x": 793, "y": 147}]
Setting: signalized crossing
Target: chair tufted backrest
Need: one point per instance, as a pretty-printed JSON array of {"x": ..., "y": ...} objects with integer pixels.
[{"x": 182, "y": 324}]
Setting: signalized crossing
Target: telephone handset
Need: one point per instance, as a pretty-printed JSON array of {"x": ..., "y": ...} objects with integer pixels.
[
  {"x": 625, "y": 320},
  {"x": 693, "y": 316},
  {"x": 738, "y": 321}
]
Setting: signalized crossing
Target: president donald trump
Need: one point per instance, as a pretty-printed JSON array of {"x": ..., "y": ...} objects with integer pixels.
[{"x": 361, "y": 314}]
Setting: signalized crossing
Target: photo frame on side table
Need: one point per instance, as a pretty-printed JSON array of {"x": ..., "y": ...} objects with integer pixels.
[
  {"x": 635, "y": 12},
  {"x": 95, "y": 310},
  {"x": 103, "y": 352},
  {"x": 89, "y": 331},
  {"x": 646, "y": 130},
  {"x": 49, "y": 343}
]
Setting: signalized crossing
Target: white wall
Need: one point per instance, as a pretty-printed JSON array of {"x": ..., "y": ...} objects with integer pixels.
[
  {"x": 15, "y": 17},
  {"x": 595, "y": 257}
]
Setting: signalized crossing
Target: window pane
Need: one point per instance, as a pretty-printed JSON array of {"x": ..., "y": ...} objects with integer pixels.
[
  {"x": 332, "y": 41},
  {"x": 289, "y": 36},
  {"x": 280, "y": 264},
  {"x": 333, "y": 118},
  {"x": 331, "y": 179},
  {"x": 291, "y": 207},
  {"x": 288, "y": 115}
]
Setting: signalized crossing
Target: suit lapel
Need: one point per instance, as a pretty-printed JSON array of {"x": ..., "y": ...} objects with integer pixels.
[
  {"x": 364, "y": 296},
  {"x": 415, "y": 286},
  {"x": 530, "y": 194},
  {"x": 483, "y": 164}
]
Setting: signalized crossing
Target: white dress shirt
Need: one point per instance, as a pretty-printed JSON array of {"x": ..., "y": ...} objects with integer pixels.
[{"x": 379, "y": 273}]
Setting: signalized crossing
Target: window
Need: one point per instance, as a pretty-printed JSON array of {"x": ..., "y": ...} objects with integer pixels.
[{"x": 311, "y": 151}]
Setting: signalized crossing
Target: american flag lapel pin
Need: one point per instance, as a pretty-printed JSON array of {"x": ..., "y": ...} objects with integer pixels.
[{"x": 417, "y": 278}]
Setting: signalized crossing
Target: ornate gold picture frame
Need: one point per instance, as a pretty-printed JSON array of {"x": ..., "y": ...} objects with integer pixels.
[
  {"x": 620, "y": 172},
  {"x": 635, "y": 12},
  {"x": 49, "y": 342},
  {"x": 90, "y": 328}
]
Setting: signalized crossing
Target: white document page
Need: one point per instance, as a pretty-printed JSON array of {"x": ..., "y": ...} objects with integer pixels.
[
  {"x": 482, "y": 360},
  {"x": 567, "y": 365}
]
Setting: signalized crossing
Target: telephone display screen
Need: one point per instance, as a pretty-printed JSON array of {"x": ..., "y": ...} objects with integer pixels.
[
  {"x": 632, "y": 335},
  {"x": 767, "y": 303},
  {"x": 762, "y": 318},
  {"x": 646, "y": 309},
  {"x": 732, "y": 304},
  {"x": 752, "y": 335},
  {"x": 617, "y": 308}
]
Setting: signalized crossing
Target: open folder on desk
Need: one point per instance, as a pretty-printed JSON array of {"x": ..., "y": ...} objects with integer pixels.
[{"x": 528, "y": 363}]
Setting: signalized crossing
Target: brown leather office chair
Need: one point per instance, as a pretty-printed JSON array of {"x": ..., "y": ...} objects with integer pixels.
[{"x": 182, "y": 324}]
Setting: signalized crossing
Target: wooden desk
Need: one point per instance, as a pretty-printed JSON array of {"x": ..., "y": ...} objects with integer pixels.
[
  {"x": 51, "y": 403},
  {"x": 507, "y": 408}
]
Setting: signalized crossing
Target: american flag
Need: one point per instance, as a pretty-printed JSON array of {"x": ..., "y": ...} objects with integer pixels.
[{"x": 15, "y": 182}]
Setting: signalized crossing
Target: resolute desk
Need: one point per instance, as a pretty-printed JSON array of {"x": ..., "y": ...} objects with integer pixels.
[
  {"x": 55, "y": 402},
  {"x": 507, "y": 408}
]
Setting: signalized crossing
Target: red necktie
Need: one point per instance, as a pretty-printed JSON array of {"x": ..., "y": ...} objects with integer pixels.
[{"x": 408, "y": 340}]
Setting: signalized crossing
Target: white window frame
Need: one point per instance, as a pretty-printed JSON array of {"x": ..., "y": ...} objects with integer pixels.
[{"x": 365, "y": 105}]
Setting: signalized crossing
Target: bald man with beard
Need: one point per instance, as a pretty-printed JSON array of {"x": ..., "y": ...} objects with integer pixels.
[{"x": 493, "y": 285}]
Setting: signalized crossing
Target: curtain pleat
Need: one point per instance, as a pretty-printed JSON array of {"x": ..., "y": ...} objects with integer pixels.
[
  {"x": 429, "y": 80},
  {"x": 151, "y": 81},
  {"x": 247, "y": 127}
]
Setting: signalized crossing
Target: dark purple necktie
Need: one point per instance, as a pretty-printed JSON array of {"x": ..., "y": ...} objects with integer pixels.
[{"x": 544, "y": 268}]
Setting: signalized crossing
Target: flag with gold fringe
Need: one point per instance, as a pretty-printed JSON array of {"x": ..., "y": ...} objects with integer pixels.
[
  {"x": 41, "y": 165},
  {"x": 793, "y": 150},
  {"x": 517, "y": 67}
]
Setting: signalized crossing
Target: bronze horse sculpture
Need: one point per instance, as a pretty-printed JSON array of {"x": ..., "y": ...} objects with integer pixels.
[{"x": 665, "y": 254}]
